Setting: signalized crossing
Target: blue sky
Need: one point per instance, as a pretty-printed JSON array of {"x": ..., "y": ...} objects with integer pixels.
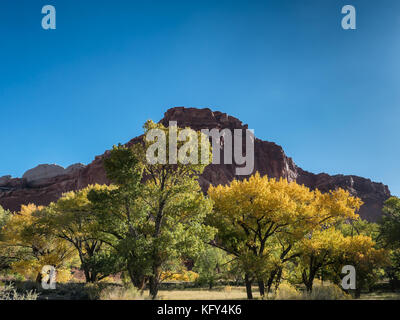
[{"x": 330, "y": 97}]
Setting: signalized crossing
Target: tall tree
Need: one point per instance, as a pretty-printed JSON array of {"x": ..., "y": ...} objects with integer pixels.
[
  {"x": 175, "y": 206},
  {"x": 161, "y": 220}
]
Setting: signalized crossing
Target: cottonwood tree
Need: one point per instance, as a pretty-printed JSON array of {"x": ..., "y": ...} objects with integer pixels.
[
  {"x": 389, "y": 237},
  {"x": 160, "y": 221},
  {"x": 390, "y": 223},
  {"x": 36, "y": 248},
  {"x": 326, "y": 251},
  {"x": 318, "y": 251},
  {"x": 121, "y": 221},
  {"x": 360, "y": 251},
  {"x": 73, "y": 219},
  {"x": 175, "y": 206},
  {"x": 259, "y": 220},
  {"x": 212, "y": 265}
]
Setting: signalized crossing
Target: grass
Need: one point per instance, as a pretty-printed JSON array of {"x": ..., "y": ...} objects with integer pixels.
[
  {"x": 112, "y": 291},
  {"x": 9, "y": 292},
  {"x": 380, "y": 295},
  {"x": 218, "y": 293}
]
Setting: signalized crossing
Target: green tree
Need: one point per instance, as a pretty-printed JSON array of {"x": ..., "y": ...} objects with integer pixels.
[
  {"x": 7, "y": 254},
  {"x": 389, "y": 236},
  {"x": 390, "y": 223},
  {"x": 72, "y": 218},
  {"x": 174, "y": 202},
  {"x": 359, "y": 227},
  {"x": 157, "y": 222},
  {"x": 212, "y": 265},
  {"x": 121, "y": 219},
  {"x": 5, "y": 215}
]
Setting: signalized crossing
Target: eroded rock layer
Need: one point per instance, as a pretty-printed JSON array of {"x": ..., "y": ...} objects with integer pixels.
[{"x": 46, "y": 183}]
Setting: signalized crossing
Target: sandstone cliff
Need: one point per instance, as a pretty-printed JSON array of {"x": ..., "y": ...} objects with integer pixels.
[{"x": 45, "y": 184}]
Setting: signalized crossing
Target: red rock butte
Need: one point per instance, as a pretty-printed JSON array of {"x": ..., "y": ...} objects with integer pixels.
[{"x": 46, "y": 183}]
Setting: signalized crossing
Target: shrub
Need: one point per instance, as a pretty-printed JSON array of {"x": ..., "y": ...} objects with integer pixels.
[
  {"x": 287, "y": 292},
  {"x": 103, "y": 291},
  {"x": 120, "y": 293},
  {"x": 326, "y": 291}
]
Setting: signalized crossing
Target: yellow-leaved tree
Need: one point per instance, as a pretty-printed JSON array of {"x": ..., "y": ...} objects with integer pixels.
[
  {"x": 319, "y": 250},
  {"x": 327, "y": 251},
  {"x": 360, "y": 251},
  {"x": 35, "y": 249},
  {"x": 259, "y": 221}
]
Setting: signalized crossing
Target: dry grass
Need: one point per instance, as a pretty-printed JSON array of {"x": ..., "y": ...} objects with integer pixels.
[
  {"x": 120, "y": 293},
  {"x": 104, "y": 291},
  {"x": 285, "y": 292},
  {"x": 9, "y": 292},
  {"x": 381, "y": 296},
  {"x": 219, "y": 293},
  {"x": 326, "y": 291}
]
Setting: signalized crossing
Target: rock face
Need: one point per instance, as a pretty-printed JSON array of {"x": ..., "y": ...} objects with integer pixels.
[
  {"x": 74, "y": 168},
  {"x": 42, "y": 172},
  {"x": 45, "y": 184},
  {"x": 4, "y": 180}
]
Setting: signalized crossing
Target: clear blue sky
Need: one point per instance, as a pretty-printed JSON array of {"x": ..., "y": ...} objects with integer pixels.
[{"x": 330, "y": 97}]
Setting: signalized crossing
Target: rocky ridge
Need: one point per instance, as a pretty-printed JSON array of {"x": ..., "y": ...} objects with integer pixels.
[{"x": 46, "y": 183}]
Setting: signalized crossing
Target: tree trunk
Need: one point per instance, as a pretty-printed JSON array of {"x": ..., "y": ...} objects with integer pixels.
[
  {"x": 271, "y": 280},
  {"x": 154, "y": 285},
  {"x": 39, "y": 278},
  {"x": 309, "y": 283},
  {"x": 261, "y": 287},
  {"x": 248, "y": 287},
  {"x": 357, "y": 292},
  {"x": 137, "y": 279},
  {"x": 86, "y": 272},
  {"x": 278, "y": 279},
  {"x": 90, "y": 277},
  {"x": 309, "y": 280},
  {"x": 155, "y": 280}
]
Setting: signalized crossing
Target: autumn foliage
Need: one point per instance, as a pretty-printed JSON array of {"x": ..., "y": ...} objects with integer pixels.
[{"x": 154, "y": 224}]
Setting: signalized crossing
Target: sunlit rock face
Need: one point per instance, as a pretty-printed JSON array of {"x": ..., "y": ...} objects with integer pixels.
[{"x": 46, "y": 183}]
